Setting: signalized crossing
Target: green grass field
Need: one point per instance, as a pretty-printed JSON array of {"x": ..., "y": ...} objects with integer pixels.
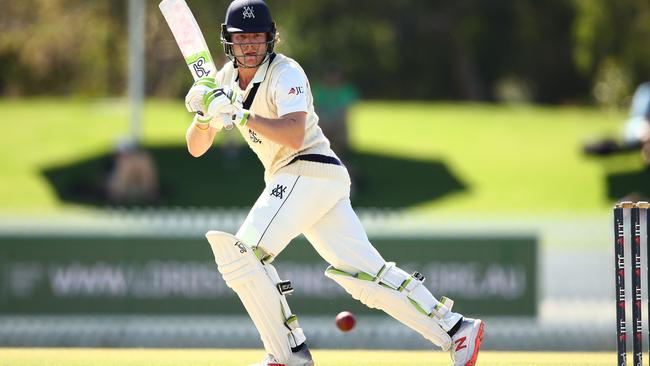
[
  {"x": 166, "y": 357},
  {"x": 506, "y": 158}
]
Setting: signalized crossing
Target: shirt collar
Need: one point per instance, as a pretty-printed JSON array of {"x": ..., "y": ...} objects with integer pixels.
[{"x": 260, "y": 74}]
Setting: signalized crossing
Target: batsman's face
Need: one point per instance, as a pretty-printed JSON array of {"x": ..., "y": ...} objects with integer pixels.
[{"x": 250, "y": 48}]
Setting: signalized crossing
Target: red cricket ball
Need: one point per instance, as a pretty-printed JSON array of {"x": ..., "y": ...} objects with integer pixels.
[{"x": 345, "y": 321}]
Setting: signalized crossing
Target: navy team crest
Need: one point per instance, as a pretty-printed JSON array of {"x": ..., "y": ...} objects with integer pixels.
[
  {"x": 248, "y": 12},
  {"x": 278, "y": 191}
]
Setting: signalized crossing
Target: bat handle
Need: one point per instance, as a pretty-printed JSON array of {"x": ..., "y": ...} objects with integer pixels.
[{"x": 227, "y": 122}]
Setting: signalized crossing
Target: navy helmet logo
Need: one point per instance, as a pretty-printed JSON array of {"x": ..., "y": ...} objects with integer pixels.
[{"x": 248, "y": 12}]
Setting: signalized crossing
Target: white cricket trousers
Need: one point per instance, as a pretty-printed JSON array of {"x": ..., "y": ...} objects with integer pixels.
[{"x": 320, "y": 209}]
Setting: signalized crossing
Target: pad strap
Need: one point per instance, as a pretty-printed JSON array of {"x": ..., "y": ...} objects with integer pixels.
[{"x": 296, "y": 335}]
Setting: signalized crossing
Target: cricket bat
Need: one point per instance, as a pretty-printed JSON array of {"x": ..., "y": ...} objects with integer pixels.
[{"x": 189, "y": 38}]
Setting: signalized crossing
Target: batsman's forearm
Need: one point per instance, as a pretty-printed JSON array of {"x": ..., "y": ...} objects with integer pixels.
[
  {"x": 199, "y": 141},
  {"x": 288, "y": 130}
]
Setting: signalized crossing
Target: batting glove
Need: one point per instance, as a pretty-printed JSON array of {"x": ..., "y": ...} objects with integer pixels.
[
  {"x": 194, "y": 97},
  {"x": 220, "y": 122},
  {"x": 222, "y": 100},
  {"x": 240, "y": 117}
]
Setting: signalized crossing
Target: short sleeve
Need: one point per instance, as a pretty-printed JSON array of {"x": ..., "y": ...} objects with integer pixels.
[
  {"x": 218, "y": 79},
  {"x": 291, "y": 91}
]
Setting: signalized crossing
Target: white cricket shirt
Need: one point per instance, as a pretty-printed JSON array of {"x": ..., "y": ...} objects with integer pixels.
[{"x": 283, "y": 88}]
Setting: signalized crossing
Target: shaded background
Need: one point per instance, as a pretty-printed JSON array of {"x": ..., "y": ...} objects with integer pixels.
[
  {"x": 469, "y": 127},
  {"x": 551, "y": 51}
]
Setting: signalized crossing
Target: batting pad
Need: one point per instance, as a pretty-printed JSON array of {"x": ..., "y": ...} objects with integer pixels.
[
  {"x": 246, "y": 275},
  {"x": 387, "y": 293}
]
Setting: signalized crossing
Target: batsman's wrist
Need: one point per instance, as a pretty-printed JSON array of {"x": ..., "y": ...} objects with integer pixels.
[
  {"x": 201, "y": 127},
  {"x": 202, "y": 122},
  {"x": 243, "y": 117}
]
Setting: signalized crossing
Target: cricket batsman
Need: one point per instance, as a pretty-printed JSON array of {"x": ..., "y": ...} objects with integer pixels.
[{"x": 266, "y": 96}]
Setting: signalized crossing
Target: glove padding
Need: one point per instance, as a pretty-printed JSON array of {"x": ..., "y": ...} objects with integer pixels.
[
  {"x": 240, "y": 117},
  {"x": 222, "y": 100},
  {"x": 220, "y": 122},
  {"x": 194, "y": 97}
]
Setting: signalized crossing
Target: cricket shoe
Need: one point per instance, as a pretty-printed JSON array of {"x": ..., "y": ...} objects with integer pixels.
[
  {"x": 301, "y": 357},
  {"x": 467, "y": 342}
]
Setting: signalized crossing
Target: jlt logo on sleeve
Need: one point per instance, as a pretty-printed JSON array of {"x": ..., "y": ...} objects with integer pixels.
[{"x": 296, "y": 90}]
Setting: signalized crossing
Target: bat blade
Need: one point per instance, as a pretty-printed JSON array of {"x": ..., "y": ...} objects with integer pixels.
[{"x": 189, "y": 37}]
